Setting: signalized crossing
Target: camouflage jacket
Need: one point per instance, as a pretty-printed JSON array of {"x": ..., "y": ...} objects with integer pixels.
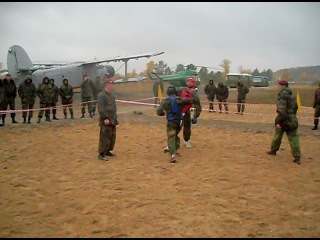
[
  {"x": 210, "y": 90},
  {"x": 242, "y": 92},
  {"x": 10, "y": 88},
  {"x": 2, "y": 93},
  {"x": 66, "y": 90},
  {"x": 56, "y": 93},
  {"x": 316, "y": 98},
  {"x": 222, "y": 92},
  {"x": 46, "y": 93},
  {"x": 195, "y": 99},
  {"x": 27, "y": 92},
  {"x": 287, "y": 108},
  {"x": 107, "y": 108},
  {"x": 87, "y": 88},
  {"x": 97, "y": 88}
]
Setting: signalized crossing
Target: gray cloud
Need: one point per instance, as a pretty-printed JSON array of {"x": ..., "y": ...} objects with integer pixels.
[{"x": 251, "y": 35}]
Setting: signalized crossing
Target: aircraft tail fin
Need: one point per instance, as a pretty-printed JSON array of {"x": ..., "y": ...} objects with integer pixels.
[{"x": 18, "y": 63}]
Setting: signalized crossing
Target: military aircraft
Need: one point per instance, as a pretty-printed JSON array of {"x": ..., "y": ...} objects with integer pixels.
[{"x": 19, "y": 66}]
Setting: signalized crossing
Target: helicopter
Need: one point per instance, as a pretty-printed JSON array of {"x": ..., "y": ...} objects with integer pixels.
[{"x": 178, "y": 79}]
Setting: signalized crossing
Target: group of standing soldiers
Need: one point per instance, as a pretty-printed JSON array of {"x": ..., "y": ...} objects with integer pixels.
[{"x": 48, "y": 94}]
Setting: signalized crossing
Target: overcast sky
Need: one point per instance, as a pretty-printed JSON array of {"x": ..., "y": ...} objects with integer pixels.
[{"x": 252, "y": 35}]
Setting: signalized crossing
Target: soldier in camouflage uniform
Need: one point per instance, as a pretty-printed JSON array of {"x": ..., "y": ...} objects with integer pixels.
[
  {"x": 210, "y": 91},
  {"x": 108, "y": 120},
  {"x": 10, "y": 97},
  {"x": 286, "y": 122},
  {"x": 55, "y": 99},
  {"x": 222, "y": 96},
  {"x": 46, "y": 94},
  {"x": 316, "y": 106},
  {"x": 172, "y": 108},
  {"x": 27, "y": 92},
  {"x": 2, "y": 96},
  {"x": 189, "y": 92},
  {"x": 66, "y": 93},
  {"x": 242, "y": 94},
  {"x": 97, "y": 88},
  {"x": 87, "y": 89}
]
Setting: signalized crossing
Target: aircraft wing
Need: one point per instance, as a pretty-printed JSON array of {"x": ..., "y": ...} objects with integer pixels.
[
  {"x": 135, "y": 79},
  {"x": 124, "y": 59}
]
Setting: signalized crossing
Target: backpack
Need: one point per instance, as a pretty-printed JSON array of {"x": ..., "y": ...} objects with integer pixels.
[{"x": 175, "y": 112}]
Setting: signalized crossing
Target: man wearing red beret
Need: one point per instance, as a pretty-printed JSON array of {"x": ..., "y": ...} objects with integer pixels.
[{"x": 286, "y": 121}]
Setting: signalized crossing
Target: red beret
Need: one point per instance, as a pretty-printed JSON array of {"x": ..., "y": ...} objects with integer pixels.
[{"x": 283, "y": 82}]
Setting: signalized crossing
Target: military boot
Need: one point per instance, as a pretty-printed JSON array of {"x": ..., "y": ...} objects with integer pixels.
[
  {"x": 297, "y": 160},
  {"x": 82, "y": 115},
  {"x": 65, "y": 116},
  {"x": 39, "y": 120},
  {"x": 316, "y": 122},
  {"x": 173, "y": 158},
  {"x": 54, "y": 117},
  {"x": 91, "y": 114},
  {"x": 29, "y": 120},
  {"x": 14, "y": 121},
  {"x": 48, "y": 119},
  {"x": 71, "y": 113},
  {"x": 271, "y": 152},
  {"x": 24, "y": 120}
]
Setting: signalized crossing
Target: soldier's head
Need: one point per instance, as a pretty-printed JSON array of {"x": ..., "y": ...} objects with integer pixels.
[
  {"x": 65, "y": 81},
  {"x": 211, "y": 81},
  {"x": 46, "y": 80},
  {"x": 28, "y": 79},
  {"x": 191, "y": 82},
  {"x": 109, "y": 84},
  {"x": 241, "y": 84},
  {"x": 171, "y": 91},
  {"x": 97, "y": 79},
  {"x": 85, "y": 77},
  {"x": 8, "y": 76},
  {"x": 220, "y": 84},
  {"x": 283, "y": 82},
  {"x": 52, "y": 81}
]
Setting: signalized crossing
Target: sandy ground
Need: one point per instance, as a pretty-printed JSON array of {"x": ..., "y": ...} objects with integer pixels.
[{"x": 53, "y": 185}]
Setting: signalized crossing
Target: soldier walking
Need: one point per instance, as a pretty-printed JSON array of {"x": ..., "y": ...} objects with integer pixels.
[
  {"x": 27, "y": 92},
  {"x": 286, "y": 122},
  {"x": 66, "y": 93}
]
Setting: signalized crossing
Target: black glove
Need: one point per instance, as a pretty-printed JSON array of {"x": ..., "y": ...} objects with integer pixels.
[{"x": 194, "y": 120}]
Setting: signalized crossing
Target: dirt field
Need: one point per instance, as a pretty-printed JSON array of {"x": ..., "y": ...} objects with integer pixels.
[{"x": 53, "y": 185}]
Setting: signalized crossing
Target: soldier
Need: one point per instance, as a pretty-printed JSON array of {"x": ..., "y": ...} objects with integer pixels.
[
  {"x": 108, "y": 121},
  {"x": 222, "y": 96},
  {"x": 172, "y": 108},
  {"x": 242, "y": 93},
  {"x": 286, "y": 121},
  {"x": 210, "y": 91},
  {"x": 155, "y": 88},
  {"x": 27, "y": 92},
  {"x": 2, "y": 97},
  {"x": 316, "y": 106},
  {"x": 55, "y": 99},
  {"x": 189, "y": 92},
  {"x": 45, "y": 93},
  {"x": 97, "y": 88},
  {"x": 87, "y": 89},
  {"x": 10, "y": 96},
  {"x": 66, "y": 93}
]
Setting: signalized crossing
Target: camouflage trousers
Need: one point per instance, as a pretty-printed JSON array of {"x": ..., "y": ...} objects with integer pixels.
[
  {"x": 26, "y": 106},
  {"x": 186, "y": 123},
  {"x": 241, "y": 106},
  {"x": 11, "y": 103},
  {"x": 107, "y": 138},
  {"x": 293, "y": 138},
  {"x": 47, "y": 110},
  {"x": 211, "y": 100},
  {"x": 173, "y": 130},
  {"x": 224, "y": 102},
  {"x": 86, "y": 101},
  {"x": 67, "y": 104},
  {"x": 54, "y": 108}
]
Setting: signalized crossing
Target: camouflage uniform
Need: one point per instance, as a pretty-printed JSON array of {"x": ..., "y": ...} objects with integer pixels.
[
  {"x": 155, "y": 89},
  {"x": 27, "y": 92},
  {"x": 66, "y": 94},
  {"x": 187, "y": 93},
  {"x": 2, "y": 97},
  {"x": 55, "y": 99},
  {"x": 87, "y": 89},
  {"x": 242, "y": 94},
  {"x": 210, "y": 90},
  {"x": 97, "y": 88},
  {"x": 10, "y": 96},
  {"x": 174, "y": 120},
  {"x": 222, "y": 96},
  {"x": 316, "y": 106},
  {"x": 286, "y": 108},
  {"x": 46, "y": 94},
  {"x": 107, "y": 109}
]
